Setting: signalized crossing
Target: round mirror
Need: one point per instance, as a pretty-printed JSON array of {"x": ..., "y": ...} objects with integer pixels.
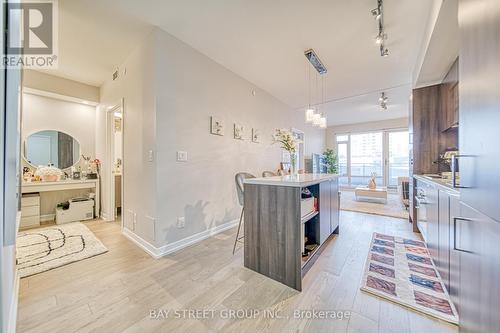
[{"x": 51, "y": 147}]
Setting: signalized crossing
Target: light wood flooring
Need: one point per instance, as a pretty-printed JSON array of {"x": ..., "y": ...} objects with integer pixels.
[{"x": 115, "y": 292}]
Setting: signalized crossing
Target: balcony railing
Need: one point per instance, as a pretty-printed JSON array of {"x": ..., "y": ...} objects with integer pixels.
[{"x": 362, "y": 172}]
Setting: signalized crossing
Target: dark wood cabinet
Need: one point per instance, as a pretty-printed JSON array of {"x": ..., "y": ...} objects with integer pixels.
[
  {"x": 477, "y": 239},
  {"x": 449, "y": 99}
]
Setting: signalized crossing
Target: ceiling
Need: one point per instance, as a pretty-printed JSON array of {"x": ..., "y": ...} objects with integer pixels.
[
  {"x": 443, "y": 46},
  {"x": 263, "y": 41}
]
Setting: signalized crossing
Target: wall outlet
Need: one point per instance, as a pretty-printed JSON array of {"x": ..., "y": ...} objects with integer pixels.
[
  {"x": 181, "y": 222},
  {"x": 182, "y": 156},
  {"x": 151, "y": 156}
]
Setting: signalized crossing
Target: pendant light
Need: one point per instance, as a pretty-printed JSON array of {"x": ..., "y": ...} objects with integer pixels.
[
  {"x": 322, "y": 121},
  {"x": 317, "y": 119},
  {"x": 309, "y": 110}
]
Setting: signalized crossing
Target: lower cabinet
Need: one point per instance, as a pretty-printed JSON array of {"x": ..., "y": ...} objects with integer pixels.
[
  {"x": 477, "y": 239},
  {"x": 325, "y": 211},
  {"x": 328, "y": 208},
  {"x": 335, "y": 207},
  {"x": 448, "y": 259}
]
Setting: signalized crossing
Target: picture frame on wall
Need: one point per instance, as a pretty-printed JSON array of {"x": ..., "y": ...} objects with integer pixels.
[
  {"x": 239, "y": 131},
  {"x": 216, "y": 126},
  {"x": 255, "y": 135}
]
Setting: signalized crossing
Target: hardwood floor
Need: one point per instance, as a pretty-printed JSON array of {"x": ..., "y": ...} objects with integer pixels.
[{"x": 116, "y": 291}]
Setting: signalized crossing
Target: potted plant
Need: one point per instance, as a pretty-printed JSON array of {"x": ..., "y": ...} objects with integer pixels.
[{"x": 331, "y": 161}]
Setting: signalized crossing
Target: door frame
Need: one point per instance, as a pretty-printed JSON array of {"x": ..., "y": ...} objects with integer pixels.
[{"x": 110, "y": 153}]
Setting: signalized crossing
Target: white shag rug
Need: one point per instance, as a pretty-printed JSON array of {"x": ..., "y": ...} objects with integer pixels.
[
  {"x": 394, "y": 207},
  {"x": 40, "y": 250}
]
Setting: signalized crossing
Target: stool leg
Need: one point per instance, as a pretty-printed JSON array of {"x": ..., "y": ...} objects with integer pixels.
[{"x": 238, "y": 233}]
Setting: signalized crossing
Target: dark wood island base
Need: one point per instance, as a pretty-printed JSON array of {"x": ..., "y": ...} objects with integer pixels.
[{"x": 276, "y": 228}]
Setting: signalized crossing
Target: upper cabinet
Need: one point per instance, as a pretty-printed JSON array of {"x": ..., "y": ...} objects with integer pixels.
[{"x": 449, "y": 98}]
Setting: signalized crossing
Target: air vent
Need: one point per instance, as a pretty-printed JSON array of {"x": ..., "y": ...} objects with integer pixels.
[{"x": 314, "y": 60}]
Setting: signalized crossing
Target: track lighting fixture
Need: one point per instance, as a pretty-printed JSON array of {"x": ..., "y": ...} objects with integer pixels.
[
  {"x": 382, "y": 36},
  {"x": 383, "y": 101}
]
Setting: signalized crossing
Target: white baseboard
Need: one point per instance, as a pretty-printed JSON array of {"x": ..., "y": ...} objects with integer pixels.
[
  {"x": 106, "y": 217},
  {"x": 12, "y": 320},
  {"x": 158, "y": 252},
  {"x": 141, "y": 242}
]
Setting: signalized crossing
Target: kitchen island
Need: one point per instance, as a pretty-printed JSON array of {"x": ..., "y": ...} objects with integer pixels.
[{"x": 284, "y": 232}]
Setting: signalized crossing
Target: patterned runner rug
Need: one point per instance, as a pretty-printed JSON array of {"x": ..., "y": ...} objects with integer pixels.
[
  {"x": 39, "y": 250},
  {"x": 401, "y": 270}
]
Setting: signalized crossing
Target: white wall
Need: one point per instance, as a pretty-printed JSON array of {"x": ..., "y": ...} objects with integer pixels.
[
  {"x": 168, "y": 104},
  {"x": 332, "y": 131},
  {"x": 191, "y": 88},
  {"x": 58, "y": 85},
  {"x": 136, "y": 87}
]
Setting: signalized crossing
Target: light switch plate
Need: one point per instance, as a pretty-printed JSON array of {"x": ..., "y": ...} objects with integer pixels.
[{"x": 182, "y": 156}]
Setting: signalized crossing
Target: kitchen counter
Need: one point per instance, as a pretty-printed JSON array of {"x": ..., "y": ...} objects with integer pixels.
[
  {"x": 301, "y": 180},
  {"x": 284, "y": 233},
  {"x": 441, "y": 183}
]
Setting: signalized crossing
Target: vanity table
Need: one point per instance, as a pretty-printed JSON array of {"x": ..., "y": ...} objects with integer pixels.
[{"x": 64, "y": 185}]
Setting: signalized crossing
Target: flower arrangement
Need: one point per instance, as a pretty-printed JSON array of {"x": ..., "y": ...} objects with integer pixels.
[
  {"x": 286, "y": 139},
  {"x": 92, "y": 165},
  {"x": 289, "y": 143}
]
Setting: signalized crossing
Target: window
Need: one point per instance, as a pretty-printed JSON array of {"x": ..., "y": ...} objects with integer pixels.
[{"x": 383, "y": 153}]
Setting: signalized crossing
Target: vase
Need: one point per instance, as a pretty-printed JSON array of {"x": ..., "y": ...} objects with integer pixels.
[
  {"x": 293, "y": 165},
  {"x": 371, "y": 184}
]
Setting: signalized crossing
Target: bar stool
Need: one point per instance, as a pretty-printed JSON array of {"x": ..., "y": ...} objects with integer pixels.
[{"x": 239, "y": 178}]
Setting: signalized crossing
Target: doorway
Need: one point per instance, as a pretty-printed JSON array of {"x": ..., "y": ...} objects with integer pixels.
[{"x": 115, "y": 168}]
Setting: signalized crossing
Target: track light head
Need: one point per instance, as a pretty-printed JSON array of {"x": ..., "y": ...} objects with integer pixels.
[
  {"x": 380, "y": 38},
  {"x": 383, "y": 101},
  {"x": 383, "y": 51},
  {"x": 377, "y": 13}
]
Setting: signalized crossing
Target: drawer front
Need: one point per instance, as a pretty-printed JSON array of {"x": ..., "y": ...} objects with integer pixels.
[
  {"x": 31, "y": 221},
  {"x": 27, "y": 211},
  {"x": 30, "y": 201}
]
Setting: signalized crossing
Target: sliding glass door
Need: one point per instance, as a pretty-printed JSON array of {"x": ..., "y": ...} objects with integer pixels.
[
  {"x": 366, "y": 158},
  {"x": 383, "y": 154},
  {"x": 398, "y": 159}
]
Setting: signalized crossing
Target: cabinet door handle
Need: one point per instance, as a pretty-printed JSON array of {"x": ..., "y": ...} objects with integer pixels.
[
  {"x": 454, "y": 161},
  {"x": 455, "y": 219}
]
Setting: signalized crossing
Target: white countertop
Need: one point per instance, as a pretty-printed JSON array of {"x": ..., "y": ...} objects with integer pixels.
[
  {"x": 60, "y": 182},
  {"x": 301, "y": 180}
]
